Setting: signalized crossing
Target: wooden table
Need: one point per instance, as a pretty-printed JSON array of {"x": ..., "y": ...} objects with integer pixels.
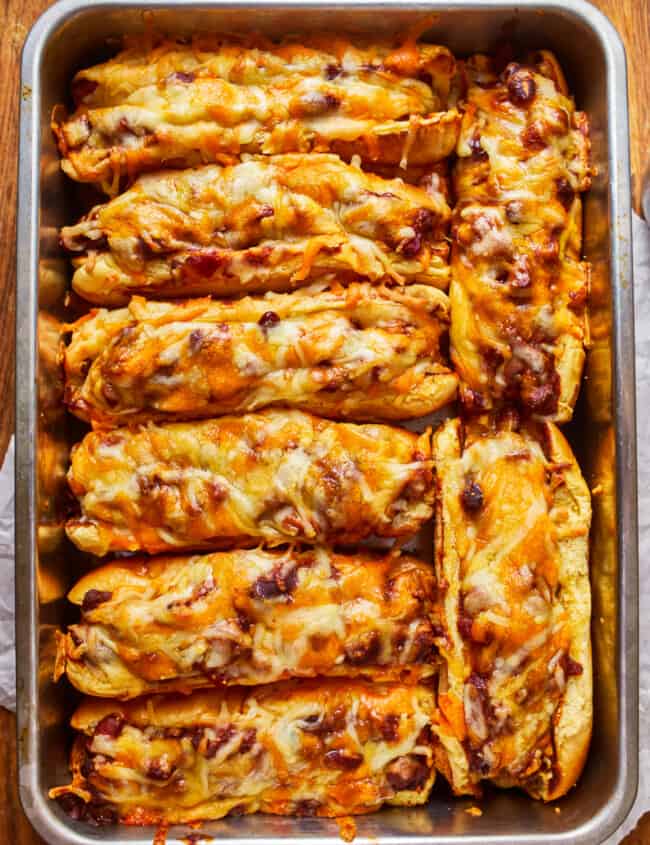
[{"x": 631, "y": 17}]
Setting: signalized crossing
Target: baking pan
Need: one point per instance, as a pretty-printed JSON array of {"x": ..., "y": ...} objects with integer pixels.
[{"x": 73, "y": 34}]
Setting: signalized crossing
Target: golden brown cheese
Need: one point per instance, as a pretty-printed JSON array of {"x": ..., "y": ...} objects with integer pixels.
[
  {"x": 263, "y": 224},
  {"x": 248, "y": 617},
  {"x": 182, "y": 105},
  {"x": 360, "y": 352},
  {"x": 519, "y": 289},
  {"x": 512, "y": 525},
  {"x": 310, "y": 749},
  {"x": 254, "y": 59},
  {"x": 274, "y": 475}
]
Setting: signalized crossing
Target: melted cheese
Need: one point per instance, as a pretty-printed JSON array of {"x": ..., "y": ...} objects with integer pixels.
[
  {"x": 194, "y": 105},
  {"x": 324, "y": 749},
  {"x": 519, "y": 288},
  {"x": 263, "y": 224},
  {"x": 255, "y": 61},
  {"x": 248, "y": 617},
  {"x": 276, "y": 475},
  {"x": 358, "y": 351},
  {"x": 510, "y": 625}
]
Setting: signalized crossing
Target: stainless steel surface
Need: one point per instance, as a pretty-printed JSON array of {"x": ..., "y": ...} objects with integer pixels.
[{"x": 74, "y": 33}]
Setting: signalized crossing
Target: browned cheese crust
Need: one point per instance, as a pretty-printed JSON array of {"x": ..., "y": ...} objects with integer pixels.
[
  {"x": 249, "y": 617},
  {"x": 512, "y": 525},
  {"x": 267, "y": 223},
  {"x": 276, "y": 476},
  {"x": 334, "y": 748},
  {"x": 519, "y": 289},
  {"x": 185, "y": 104},
  {"x": 360, "y": 352}
]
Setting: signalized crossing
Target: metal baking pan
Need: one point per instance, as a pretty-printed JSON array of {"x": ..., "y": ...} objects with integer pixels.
[{"x": 73, "y": 34}]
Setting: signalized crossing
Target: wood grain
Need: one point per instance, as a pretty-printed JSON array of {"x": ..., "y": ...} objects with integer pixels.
[{"x": 632, "y": 19}]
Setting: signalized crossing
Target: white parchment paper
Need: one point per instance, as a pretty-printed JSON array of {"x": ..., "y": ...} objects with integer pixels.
[
  {"x": 7, "y": 634},
  {"x": 642, "y": 308}
]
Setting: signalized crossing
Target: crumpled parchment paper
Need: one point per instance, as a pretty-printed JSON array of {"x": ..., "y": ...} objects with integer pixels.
[{"x": 7, "y": 633}]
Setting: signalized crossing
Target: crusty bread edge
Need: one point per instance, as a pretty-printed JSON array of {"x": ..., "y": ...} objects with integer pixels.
[
  {"x": 452, "y": 760},
  {"x": 573, "y": 718},
  {"x": 570, "y": 360}
]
